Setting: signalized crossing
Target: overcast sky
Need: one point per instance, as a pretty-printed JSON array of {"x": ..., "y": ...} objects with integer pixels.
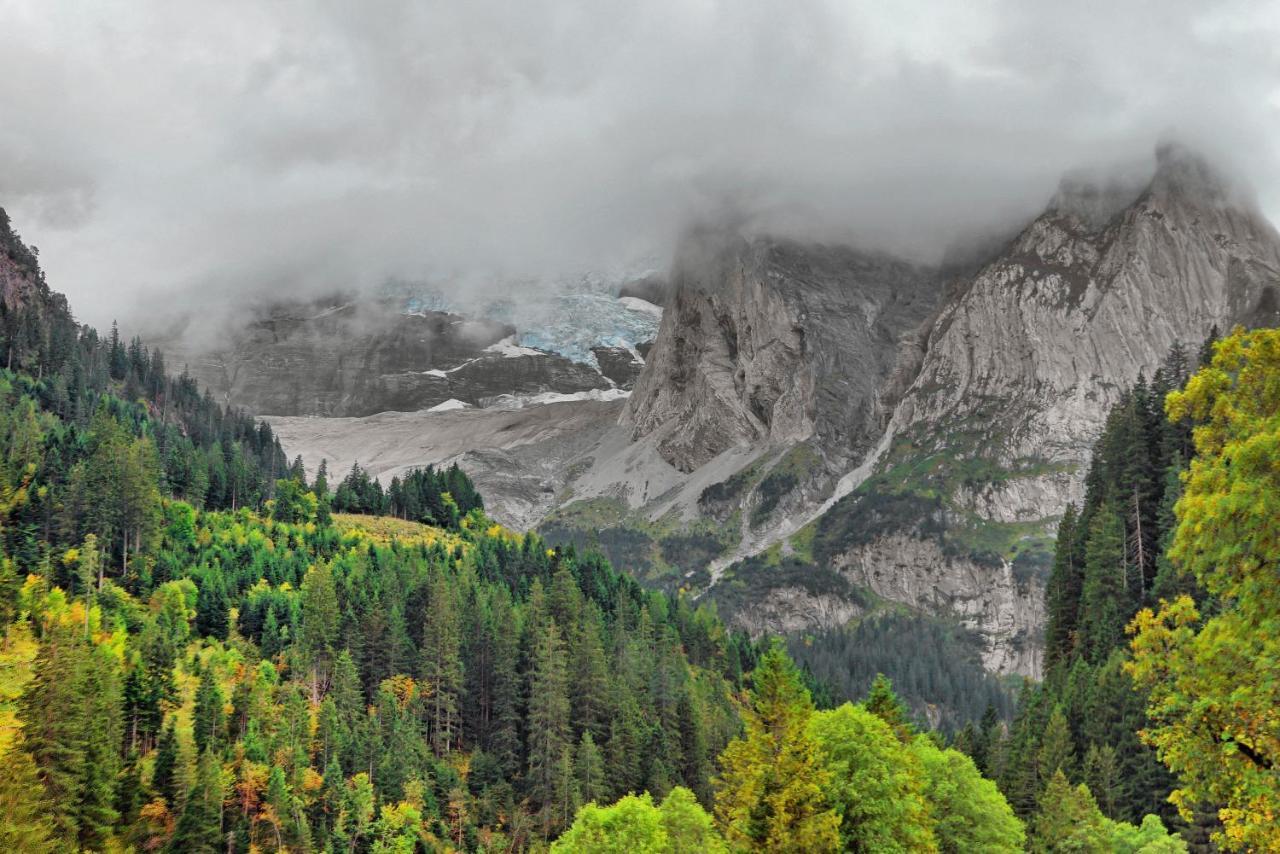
[{"x": 163, "y": 152}]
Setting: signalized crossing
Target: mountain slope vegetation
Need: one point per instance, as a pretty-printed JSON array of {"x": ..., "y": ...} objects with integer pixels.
[{"x": 203, "y": 650}]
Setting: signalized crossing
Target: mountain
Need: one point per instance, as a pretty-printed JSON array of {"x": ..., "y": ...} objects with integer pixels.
[
  {"x": 992, "y": 438},
  {"x": 819, "y": 430}
]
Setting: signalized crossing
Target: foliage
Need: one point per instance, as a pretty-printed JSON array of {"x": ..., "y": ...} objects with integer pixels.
[
  {"x": 935, "y": 666},
  {"x": 771, "y": 794},
  {"x": 633, "y": 825},
  {"x": 875, "y": 785},
  {"x": 1212, "y": 669}
]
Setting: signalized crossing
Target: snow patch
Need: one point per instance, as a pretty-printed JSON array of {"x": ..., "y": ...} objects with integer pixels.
[
  {"x": 641, "y": 305},
  {"x": 520, "y": 401},
  {"x": 449, "y": 405},
  {"x": 508, "y": 348}
]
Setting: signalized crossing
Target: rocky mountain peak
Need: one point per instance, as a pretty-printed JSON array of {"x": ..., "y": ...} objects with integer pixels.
[{"x": 764, "y": 340}]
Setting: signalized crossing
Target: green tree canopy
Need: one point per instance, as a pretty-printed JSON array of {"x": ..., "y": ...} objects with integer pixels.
[{"x": 1214, "y": 677}]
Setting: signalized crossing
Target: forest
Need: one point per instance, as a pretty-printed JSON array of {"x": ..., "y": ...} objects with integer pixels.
[{"x": 205, "y": 650}]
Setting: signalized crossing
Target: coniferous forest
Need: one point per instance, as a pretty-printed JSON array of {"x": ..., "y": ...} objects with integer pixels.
[{"x": 204, "y": 650}]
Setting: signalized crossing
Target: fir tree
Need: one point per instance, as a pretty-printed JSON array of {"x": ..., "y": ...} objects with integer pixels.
[
  {"x": 771, "y": 791},
  {"x": 884, "y": 704}
]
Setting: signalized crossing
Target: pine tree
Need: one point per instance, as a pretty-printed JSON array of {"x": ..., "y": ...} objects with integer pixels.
[
  {"x": 1057, "y": 751},
  {"x": 213, "y": 619},
  {"x": 1062, "y": 593},
  {"x": 1068, "y": 820},
  {"x": 884, "y": 704},
  {"x": 53, "y": 725},
  {"x": 770, "y": 795},
  {"x": 101, "y": 733},
  {"x": 208, "y": 721},
  {"x": 164, "y": 775},
  {"x": 199, "y": 830},
  {"x": 441, "y": 663},
  {"x": 549, "y": 730},
  {"x": 318, "y": 630},
  {"x": 1102, "y": 775},
  {"x": 1104, "y": 603},
  {"x": 26, "y": 825},
  {"x": 590, "y": 678},
  {"x": 589, "y": 766}
]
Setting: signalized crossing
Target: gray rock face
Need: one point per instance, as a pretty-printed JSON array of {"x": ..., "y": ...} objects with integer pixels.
[
  {"x": 620, "y": 365},
  {"x": 770, "y": 342},
  {"x": 1042, "y": 341},
  {"x": 1007, "y": 611},
  {"x": 360, "y": 358},
  {"x": 981, "y": 417},
  {"x": 1015, "y": 377}
]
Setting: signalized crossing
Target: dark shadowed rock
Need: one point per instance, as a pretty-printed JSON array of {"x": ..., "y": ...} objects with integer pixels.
[{"x": 619, "y": 364}]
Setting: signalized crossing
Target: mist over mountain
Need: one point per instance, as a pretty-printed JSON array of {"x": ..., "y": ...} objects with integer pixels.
[{"x": 202, "y": 158}]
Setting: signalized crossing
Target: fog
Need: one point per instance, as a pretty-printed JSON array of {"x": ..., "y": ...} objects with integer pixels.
[{"x": 179, "y": 155}]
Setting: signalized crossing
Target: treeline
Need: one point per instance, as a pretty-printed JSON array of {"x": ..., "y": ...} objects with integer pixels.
[
  {"x": 852, "y": 778},
  {"x": 1109, "y": 562},
  {"x": 434, "y": 497},
  {"x": 206, "y": 454},
  {"x": 936, "y": 668}
]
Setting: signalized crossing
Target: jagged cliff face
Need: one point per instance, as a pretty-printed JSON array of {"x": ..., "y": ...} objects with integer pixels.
[
  {"x": 990, "y": 440},
  {"x": 942, "y": 436},
  {"x": 1088, "y": 296},
  {"x": 773, "y": 343}
]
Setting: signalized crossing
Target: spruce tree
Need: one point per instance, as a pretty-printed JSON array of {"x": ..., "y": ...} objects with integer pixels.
[
  {"x": 208, "y": 720},
  {"x": 1062, "y": 593},
  {"x": 1057, "y": 751},
  {"x": 199, "y": 830},
  {"x": 1105, "y": 602},
  {"x": 549, "y": 730},
  {"x": 771, "y": 790},
  {"x": 884, "y": 703},
  {"x": 26, "y": 825},
  {"x": 589, "y": 766},
  {"x": 164, "y": 775}
]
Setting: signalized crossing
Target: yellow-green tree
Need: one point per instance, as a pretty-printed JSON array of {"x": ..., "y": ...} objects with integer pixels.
[
  {"x": 968, "y": 810},
  {"x": 771, "y": 794},
  {"x": 875, "y": 783},
  {"x": 1214, "y": 676},
  {"x": 634, "y": 825}
]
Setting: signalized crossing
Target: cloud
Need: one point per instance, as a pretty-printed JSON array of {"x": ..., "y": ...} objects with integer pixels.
[{"x": 179, "y": 154}]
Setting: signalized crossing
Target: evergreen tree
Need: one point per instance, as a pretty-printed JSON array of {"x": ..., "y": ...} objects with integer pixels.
[
  {"x": 318, "y": 631},
  {"x": 884, "y": 704},
  {"x": 1062, "y": 594},
  {"x": 771, "y": 791},
  {"x": 589, "y": 766},
  {"x": 199, "y": 830},
  {"x": 164, "y": 775},
  {"x": 207, "y": 722},
  {"x": 1104, "y": 601},
  {"x": 549, "y": 730},
  {"x": 26, "y": 825},
  {"x": 1068, "y": 820},
  {"x": 1057, "y": 752},
  {"x": 441, "y": 663}
]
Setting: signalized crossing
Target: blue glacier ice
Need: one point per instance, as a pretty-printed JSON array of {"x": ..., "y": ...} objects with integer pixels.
[{"x": 568, "y": 317}]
